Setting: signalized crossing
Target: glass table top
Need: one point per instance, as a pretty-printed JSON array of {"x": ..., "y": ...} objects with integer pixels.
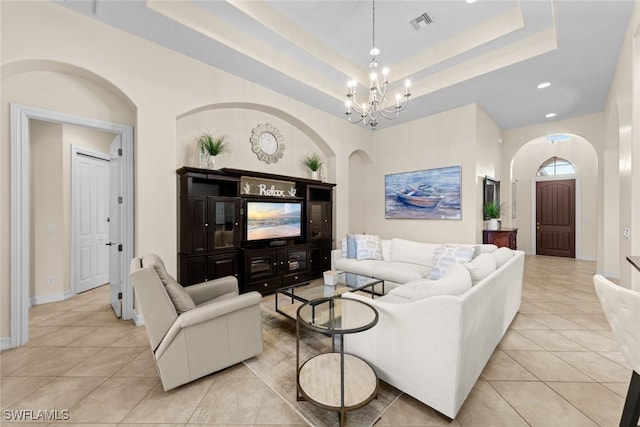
[{"x": 336, "y": 315}]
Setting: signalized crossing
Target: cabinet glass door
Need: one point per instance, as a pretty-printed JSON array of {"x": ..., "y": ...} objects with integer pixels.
[
  {"x": 296, "y": 260},
  {"x": 224, "y": 223},
  {"x": 315, "y": 220}
]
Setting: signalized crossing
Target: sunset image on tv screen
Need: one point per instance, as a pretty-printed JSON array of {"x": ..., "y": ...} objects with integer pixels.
[{"x": 275, "y": 220}]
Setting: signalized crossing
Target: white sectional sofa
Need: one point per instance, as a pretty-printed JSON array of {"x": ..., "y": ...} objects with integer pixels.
[
  {"x": 402, "y": 261},
  {"x": 434, "y": 337}
]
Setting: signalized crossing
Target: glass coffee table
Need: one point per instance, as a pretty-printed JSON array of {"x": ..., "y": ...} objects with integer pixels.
[
  {"x": 290, "y": 298},
  {"x": 335, "y": 381}
]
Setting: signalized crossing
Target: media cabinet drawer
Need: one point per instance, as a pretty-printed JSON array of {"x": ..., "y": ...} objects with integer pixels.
[
  {"x": 294, "y": 279},
  {"x": 265, "y": 285}
]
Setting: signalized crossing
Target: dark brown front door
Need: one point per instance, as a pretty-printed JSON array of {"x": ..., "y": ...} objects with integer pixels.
[{"x": 556, "y": 218}]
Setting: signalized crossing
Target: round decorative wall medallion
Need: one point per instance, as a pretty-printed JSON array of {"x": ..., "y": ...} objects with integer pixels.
[{"x": 266, "y": 142}]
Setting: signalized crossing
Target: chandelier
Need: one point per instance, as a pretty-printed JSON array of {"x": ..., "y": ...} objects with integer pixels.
[{"x": 376, "y": 106}]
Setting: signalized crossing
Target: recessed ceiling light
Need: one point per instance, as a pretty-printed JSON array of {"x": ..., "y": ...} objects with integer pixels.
[
  {"x": 548, "y": 116},
  {"x": 471, "y": 1},
  {"x": 543, "y": 85}
]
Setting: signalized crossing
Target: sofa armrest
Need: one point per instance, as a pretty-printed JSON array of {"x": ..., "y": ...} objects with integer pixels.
[
  {"x": 207, "y": 313},
  {"x": 336, "y": 254},
  {"x": 211, "y": 289}
]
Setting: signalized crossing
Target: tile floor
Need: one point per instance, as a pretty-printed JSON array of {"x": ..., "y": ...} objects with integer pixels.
[{"x": 556, "y": 366}]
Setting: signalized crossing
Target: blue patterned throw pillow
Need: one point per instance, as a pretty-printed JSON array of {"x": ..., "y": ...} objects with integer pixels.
[
  {"x": 368, "y": 246},
  {"x": 446, "y": 256}
]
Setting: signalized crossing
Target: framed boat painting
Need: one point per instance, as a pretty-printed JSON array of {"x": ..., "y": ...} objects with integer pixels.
[{"x": 425, "y": 194}]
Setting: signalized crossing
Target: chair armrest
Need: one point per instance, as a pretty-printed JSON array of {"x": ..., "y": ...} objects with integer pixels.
[
  {"x": 206, "y": 313},
  {"x": 206, "y": 291},
  {"x": 218, "y": 308}
]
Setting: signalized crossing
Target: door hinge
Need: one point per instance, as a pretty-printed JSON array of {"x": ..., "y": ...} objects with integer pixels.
[
  {"x": 120, "y": 152},
  {"x": 119, "y": 295},
  {"x": 120, "y": 199},
  {"x": 120, "y": 247}
]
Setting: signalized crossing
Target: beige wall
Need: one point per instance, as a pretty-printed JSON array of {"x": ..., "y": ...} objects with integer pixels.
[
  {"x": 434, "y": 142},
  {"x": 488, "y": 163},
  {"x": 57, "y": 59},
  {"x": 622, "y": 114},
  {"x": 237, "y": 124},
  {"x": 46, "y": 229}
]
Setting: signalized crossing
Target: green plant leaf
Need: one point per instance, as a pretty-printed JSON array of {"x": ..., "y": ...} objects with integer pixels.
[
  {"x": 212, "y": 144},
  {"x": 313, "y": 161}
]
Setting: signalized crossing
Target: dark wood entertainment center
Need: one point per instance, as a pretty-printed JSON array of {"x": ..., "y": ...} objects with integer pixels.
[{"x": 212, "y": 229}]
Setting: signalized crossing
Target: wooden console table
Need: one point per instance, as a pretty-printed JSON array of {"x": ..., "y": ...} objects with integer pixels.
[{"x": 503, "y": 237}]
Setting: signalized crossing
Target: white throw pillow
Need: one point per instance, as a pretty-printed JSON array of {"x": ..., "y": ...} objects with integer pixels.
[
  {"x": 481, "y": 267},
  {"x": 368, "y": 247},
  {"x": 455, "y": 281},
  {"x": 502, "y": 255},
  {"x": 446, "y": 256},
  {"x": 413, "y": 252},
  {"x": 343, "y": 247}
]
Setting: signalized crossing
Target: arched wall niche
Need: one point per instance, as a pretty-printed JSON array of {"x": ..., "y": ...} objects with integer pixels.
[
  {"x": 523, "y": 168},
  {"x": 236, "y": 120},
  {"x": 360, "y": 172}
]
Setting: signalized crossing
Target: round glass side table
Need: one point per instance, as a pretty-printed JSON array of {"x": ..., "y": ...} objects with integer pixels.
[{"x": 335, "y": 381}]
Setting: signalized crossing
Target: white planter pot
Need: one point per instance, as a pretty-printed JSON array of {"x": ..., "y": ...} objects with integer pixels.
[
  {"x": 314, "y": 175},
  {"x": 493, "y": 224}
]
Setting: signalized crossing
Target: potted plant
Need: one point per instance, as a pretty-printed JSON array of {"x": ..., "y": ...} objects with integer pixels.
[
  {"x": 210, "y": 146},
  {"x": 314, "y": 163},
  {"x": 492, "y": 211}
]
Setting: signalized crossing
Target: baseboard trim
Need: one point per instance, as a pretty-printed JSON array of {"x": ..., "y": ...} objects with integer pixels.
[
  {"x": 587, "y": 258},
  {"x": 5, "y": 343},
  {"x": 46, "y": 299},
  {"x": 609, "y": 274},
  {"x": 138, "y": 320}
]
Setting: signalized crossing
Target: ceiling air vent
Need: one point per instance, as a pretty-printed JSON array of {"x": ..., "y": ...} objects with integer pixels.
[{"x": 421, "y": 21}]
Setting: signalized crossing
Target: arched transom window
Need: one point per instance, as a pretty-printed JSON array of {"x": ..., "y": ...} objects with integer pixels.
[{"x": 556, "y": 166}]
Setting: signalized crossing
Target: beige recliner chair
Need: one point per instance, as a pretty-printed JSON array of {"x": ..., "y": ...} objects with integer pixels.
[
  {"x": 196, "y": 330},
  {"x": 621, "y": 307}
]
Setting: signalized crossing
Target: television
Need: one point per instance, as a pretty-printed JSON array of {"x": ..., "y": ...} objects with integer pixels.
[{"x": 273, "y": 220}]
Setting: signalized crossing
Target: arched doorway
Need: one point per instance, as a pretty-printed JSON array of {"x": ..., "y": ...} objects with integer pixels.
[{"x": 534, "y": 163}]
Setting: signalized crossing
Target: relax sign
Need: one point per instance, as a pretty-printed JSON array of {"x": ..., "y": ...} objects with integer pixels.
[{"x": 267, "y": 187}]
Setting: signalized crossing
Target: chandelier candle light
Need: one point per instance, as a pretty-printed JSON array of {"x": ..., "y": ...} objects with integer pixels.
[{"x": 376, "y": 105}]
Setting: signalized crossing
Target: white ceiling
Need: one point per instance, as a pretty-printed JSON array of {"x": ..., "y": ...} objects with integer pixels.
[{"x": 493, "y": 52}]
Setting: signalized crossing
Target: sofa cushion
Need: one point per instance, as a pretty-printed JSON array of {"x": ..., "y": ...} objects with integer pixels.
[
  {"x": 481, "y": 267},
  {"x": 181, "y": 300},
  {"x": 367, "y": 246},
  {"x": 456, "y": 281},
  {"x": 502, "y": 255},
  {"x": 413, "y": 252},
  {"x": 399, "y": 272},
  {"x": 446, "y": 256},
  {"x": 386, "y": 249},
  {"x": 363, "y": 267},
  {"x": 393, "y": 299}
]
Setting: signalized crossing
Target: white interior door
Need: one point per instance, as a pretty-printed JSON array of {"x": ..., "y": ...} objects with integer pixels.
[
  {"x": 115, "y": 225},
  {"x": 91, "y": 186}
]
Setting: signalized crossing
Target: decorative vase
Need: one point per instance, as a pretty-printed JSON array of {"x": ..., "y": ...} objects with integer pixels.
[
  {"x": 204, "y": 159},
  {"x": 211, "y": 164},
  {"x": 493, "y": 224},
  {"x": 314, "y": 174}
]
